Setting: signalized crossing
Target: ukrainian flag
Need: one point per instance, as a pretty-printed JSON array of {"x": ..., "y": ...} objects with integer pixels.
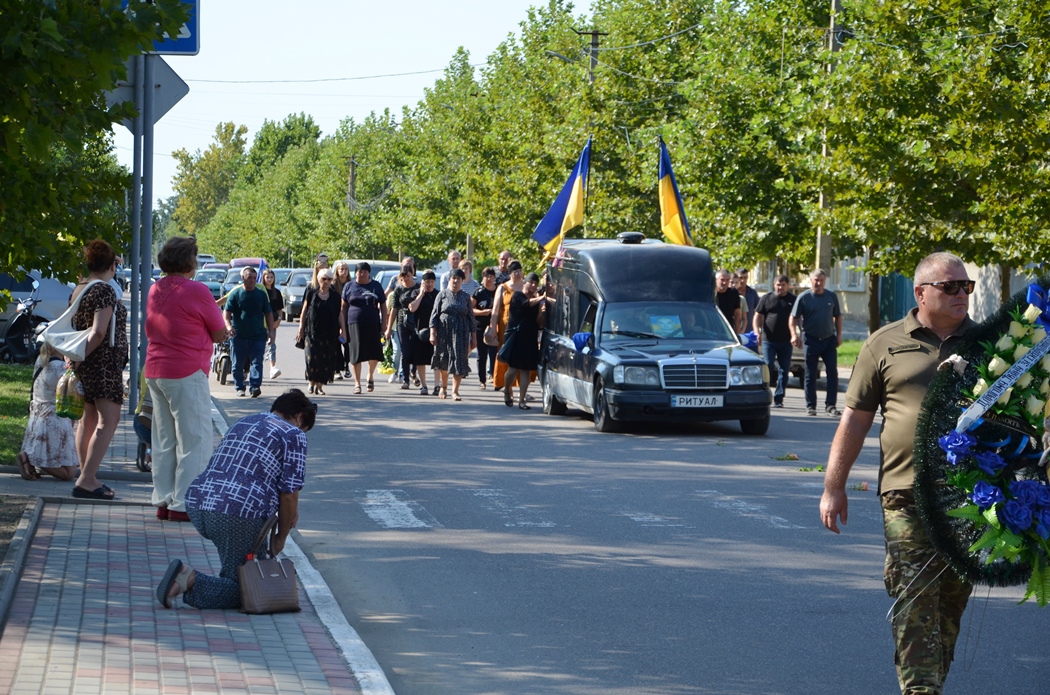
[
  {"x": 673, "y": 221},
  {"x": 567, "y": 210}
]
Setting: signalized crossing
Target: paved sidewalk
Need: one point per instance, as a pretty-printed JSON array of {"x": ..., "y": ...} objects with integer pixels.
[{"x": 85, "y": 619}]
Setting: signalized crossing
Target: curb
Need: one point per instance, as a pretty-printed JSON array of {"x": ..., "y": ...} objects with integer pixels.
[
  {"x": 363, "y": 664},
  {"x": 15, "y": 559},
  {"x": 132, "y": 476}
]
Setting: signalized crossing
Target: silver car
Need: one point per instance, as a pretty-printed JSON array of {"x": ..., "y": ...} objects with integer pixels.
[{"x": 53, "y": 296}]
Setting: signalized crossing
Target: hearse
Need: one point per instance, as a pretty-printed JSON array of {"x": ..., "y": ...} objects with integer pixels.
[{"x": 632, "y": 333}]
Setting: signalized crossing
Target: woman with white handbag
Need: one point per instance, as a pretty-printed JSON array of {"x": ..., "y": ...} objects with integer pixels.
[{"x": 102, "y": 372}]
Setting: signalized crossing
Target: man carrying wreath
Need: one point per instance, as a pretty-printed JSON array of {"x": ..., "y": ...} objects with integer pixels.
[{"x": 893, "y": 370}]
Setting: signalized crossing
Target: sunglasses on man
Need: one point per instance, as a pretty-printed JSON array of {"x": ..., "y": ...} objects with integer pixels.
[{"x": 952, "y": 287}]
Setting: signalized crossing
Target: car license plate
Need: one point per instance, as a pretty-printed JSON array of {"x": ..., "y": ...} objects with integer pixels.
[{"x": 696, "y": 401}]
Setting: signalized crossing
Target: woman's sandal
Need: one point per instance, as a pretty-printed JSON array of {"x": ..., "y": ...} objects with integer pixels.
[
  {"x": 100, "y": 493},
  {"x": 508, "y": 400},
  {"x": 357, "y": 389},
  {"x": 522, "y": 406},
  {"x": 27, "y": 470},
  {"x": 371, "y": 386},
  {"x": 423, "y": 391},
  {"x": 455, "y": 396},
  {"x": 176, "y": 574},
  {"x": 444, "y": 394}
]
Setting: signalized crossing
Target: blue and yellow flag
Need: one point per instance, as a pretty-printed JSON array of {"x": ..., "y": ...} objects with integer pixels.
[
  {"x": 567, "y": 210},
  {"x": 673, "y": 221}
]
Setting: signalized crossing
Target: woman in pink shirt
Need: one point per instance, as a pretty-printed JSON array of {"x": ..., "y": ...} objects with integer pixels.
[{"x": 182, "y": 322}]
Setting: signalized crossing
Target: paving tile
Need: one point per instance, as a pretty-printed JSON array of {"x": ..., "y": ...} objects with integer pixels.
[{"x": 85, "y": 620}]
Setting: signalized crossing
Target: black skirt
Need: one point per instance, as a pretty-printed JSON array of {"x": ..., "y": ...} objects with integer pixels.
[{"x": 364, "y": 342}]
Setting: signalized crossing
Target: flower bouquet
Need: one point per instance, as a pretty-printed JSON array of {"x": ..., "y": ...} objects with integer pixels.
[{"x": 982, "y": 492}]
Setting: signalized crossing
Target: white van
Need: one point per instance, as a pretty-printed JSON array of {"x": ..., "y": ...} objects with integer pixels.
[{"x": 203, "y": 258}]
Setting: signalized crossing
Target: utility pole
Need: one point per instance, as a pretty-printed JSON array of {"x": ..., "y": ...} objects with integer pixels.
[
  {"x": 351, "y": 184},
  {"x": 593, "y": 50},
  {"x": 824, "y": 240}
]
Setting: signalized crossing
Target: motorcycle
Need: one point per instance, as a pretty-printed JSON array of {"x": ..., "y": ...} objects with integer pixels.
[{"x": 18, "y": 343}]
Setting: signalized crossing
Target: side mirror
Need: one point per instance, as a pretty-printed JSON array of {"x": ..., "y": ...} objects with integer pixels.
[{"x": 36, "y": 285}]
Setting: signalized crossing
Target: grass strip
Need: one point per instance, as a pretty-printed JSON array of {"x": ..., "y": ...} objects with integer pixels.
[{"x": 15, "y": 383}]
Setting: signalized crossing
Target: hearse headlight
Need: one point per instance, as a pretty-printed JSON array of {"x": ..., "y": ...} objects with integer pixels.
[
  {"x": 746, "y": 376},
  {"x": 636, "y": 376}
]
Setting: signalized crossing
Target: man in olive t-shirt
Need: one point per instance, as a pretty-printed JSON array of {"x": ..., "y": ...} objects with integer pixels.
[{"x": 893, "y": 370}]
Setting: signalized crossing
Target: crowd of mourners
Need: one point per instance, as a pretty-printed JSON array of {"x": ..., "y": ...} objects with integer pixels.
[{"x": 431, "y": 322}]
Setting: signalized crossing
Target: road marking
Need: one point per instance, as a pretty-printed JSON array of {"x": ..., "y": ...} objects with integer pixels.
[
  {"x": 513, "y": 515},
  {"x": 647, "y": 519},
  {"x": 358, "y": 656},
  {"x": 742, "y": 508},
  {"x": 393, "y": 509}
]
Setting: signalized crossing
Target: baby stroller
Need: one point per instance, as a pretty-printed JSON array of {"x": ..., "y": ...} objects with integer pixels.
[{"x": 222, "y": 362}]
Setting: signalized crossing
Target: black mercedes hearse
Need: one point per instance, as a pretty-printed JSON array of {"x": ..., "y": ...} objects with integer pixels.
[{"x": 633, "y": 333}]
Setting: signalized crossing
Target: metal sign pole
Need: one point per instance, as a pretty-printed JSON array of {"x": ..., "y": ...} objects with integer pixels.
[
  {"x": 147, "y": 194},
  {"x": 136, "y": 226}
]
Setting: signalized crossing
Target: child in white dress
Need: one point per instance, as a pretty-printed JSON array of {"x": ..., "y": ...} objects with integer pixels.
[{"x": 50, "y": 441}]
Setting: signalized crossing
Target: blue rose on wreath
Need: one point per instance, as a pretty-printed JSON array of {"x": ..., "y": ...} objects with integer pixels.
[{"x": 983, "y": 492}]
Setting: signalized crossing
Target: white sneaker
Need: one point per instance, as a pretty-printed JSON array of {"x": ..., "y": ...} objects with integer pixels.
[
  {"x": 392, "y": 379},
  {"x": 274, "y": 373}
]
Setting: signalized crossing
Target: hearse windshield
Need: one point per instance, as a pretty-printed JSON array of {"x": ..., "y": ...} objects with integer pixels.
[{"x": 664, "y": 321}]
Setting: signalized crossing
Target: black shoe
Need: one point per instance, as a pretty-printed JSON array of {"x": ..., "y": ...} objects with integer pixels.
[{"x": 256, "y": 393}]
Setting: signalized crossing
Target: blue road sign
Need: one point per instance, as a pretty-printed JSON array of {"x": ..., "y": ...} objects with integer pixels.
[{"x": 187, "y": 43}]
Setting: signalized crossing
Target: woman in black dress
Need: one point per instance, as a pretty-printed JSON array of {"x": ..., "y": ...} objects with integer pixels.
[
  {"x": 452, "y": 333},
  {"x": 319, "y": 329},
  {"x": 400, "y": 325},
  {"x": 420, "y": 351},
  {"x": 521, "y": 350}
]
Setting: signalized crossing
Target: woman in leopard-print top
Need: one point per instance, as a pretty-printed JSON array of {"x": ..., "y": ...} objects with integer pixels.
[{"x": 102, "y": 371}]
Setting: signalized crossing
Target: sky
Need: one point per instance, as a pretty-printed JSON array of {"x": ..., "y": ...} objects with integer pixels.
[{"x": 267, "y": 40}]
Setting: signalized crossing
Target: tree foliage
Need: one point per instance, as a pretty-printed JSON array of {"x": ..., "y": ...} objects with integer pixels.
[
  {"x": 61, "y": 186},
  {"x": 934, "y": 118},
  {"x": 203, "y": 180}
]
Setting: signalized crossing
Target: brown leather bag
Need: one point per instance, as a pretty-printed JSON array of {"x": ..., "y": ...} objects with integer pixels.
[{"x": 267, "y": 583}]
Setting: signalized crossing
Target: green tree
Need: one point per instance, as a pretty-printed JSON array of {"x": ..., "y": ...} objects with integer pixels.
[
  {"x": 203, "y": 181},
  {"x": 274, "y": 140},
  {"x": 60, "y": 185}
]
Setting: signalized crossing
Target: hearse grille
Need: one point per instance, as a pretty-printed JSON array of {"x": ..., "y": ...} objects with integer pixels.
[{"x": 694, "y": 376}]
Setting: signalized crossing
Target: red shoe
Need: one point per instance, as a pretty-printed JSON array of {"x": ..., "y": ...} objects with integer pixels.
[
  {"x": 162, "y": 513},
  {"x": 178, "y": 516}
]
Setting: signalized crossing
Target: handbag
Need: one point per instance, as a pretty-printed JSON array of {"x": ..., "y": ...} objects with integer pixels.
[
  {"x": 267, "y": 583},
  {"x": 68, "y": 341},
  {"x": 491, "y": 337},
  {"x": 410, "y": 321},
  {"x": 424, "y": 334},
  {"x": 300, "y": 343}
]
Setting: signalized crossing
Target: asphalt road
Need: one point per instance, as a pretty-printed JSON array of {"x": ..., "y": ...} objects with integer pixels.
[{"x": 482, "y": 549}]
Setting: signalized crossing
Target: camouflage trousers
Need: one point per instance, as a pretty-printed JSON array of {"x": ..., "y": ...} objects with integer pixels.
[{"x": 931, "y": 598}]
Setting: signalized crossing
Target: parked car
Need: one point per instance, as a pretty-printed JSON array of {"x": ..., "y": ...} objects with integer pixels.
[
  {"x": 293, "y": 289},
  {"x": 203, "y": 259},
  {"x": 383, "y": 277},
  {"x": 376, "y": 266},
  {"x": 280, "y": 275},
  {"x": 232, "y": 279},
  {"x": 215, "y": 266},
  {"x": 213, "y": 278},
  {"x": 53, "y": 296},
  {"x": 632, "y": 333}
]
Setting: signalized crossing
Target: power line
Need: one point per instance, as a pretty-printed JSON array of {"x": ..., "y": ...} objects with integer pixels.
[
  {"x": 332, "y": 79},
  {"x": 653, "y": 41}
]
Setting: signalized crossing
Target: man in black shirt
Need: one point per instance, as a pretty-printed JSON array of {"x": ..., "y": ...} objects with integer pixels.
[
  {"x": 774, "y": 336},
  {"x": 728, "y": 300}
]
